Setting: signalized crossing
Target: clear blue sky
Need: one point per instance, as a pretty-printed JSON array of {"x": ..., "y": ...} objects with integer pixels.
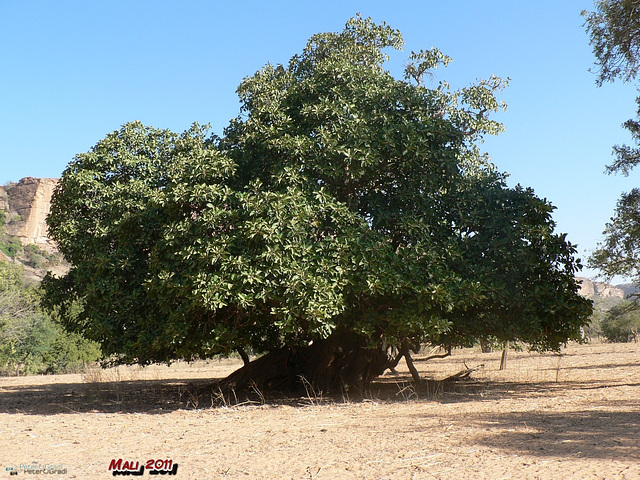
[{"x": 72, "y": 71}]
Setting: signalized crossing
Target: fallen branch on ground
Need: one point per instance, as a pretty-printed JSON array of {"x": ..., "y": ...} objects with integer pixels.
[
  {"x": 463, "y": 374},
  {"x": 431, "y": 357}
]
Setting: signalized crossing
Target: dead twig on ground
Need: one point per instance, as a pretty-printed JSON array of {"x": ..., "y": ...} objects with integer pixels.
[
  {"x": 315, "y": 397},
  {"x": 407, "y": 391},
  {"x": 463, "y": 374},
  {"x": 254, "y": 386}
]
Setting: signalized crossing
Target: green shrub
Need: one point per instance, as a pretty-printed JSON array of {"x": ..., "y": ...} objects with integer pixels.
[
  {"x": 36, "y": 261},
  {"x": 621, "y": 323},
  {"x": 11, "y": 247},
  {"x": 30, "y": 340},
  {"x": 34, "y": 256},
  {"x": 70, "y": 353},
  {"x": 40, "y": 345},
  {"x": 37, "y": 258}
]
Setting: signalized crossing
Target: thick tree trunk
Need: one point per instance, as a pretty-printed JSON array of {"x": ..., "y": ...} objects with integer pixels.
[{"x": 340, "y": 361}]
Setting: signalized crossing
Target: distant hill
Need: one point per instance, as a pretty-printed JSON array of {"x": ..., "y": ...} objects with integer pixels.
[
  {"x": 604, "y": 295},
  {"x": 24, "y": 239},
  {"x": 628, "y": 288},
  {"x": 598, "y": 290},
  {"x": 602, "y": 291}
]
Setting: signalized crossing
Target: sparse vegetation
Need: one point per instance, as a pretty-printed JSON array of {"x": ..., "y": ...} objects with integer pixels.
[
  {"x": 35, "y": 257},
  {"x": 11, "y": 246},
  {"x": 32, "y": 341},
  {"x": 30, "y": 255},
  {"x": 614, "y": 320},
  {"x": 621, "y": 323},
  {"x": 16, "y": 219},
  {"x": 7, "y": 243}
]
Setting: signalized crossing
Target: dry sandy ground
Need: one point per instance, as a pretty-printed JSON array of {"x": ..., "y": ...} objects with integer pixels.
[{"x": 574, "y": 416}]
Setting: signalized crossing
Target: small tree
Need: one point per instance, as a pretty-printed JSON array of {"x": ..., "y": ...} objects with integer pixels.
[
  {"x": 621, "y": 323},
  {"x": 343, "y": 210}
]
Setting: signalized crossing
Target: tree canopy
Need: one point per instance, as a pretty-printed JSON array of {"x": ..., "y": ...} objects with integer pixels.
[
  {"x": 342, "y": 203},
  {"x": 614, "y": 28},
  {"x": 615, "y": 37}
]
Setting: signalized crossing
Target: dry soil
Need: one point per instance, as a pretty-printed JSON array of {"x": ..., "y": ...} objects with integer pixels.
[{"x": 569, "y": 416}]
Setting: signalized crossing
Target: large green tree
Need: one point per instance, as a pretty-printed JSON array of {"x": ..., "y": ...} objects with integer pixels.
[
  {"x": 343, "y": 210},
  {"x": 614, "y": 29}
]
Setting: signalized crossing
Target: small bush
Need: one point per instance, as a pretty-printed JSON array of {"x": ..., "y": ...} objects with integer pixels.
[
  {"x": 621, "y": 323},
  {"x": 32, "y": 341},
  {"x": 70, "y": 352},
  {"x": 36, "y": 257},
  {"x": 36, "y": 261},
  {"x": 11, "y": 247}
]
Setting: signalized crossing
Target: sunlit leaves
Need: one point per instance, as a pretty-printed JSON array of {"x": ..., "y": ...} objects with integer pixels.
[{"x": 615, "y": 37}]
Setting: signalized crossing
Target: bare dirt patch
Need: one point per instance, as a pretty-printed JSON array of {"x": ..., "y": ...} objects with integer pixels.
[{"x": 575, "y": 415}]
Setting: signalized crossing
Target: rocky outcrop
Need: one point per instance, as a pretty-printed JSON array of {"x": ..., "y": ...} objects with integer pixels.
[
  {"x": 28, "y": 203},
  {"x": 4, "y": 200},
  {"x": 597, "y": 290}
]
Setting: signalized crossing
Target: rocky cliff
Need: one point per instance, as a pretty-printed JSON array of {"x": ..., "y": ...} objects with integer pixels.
[
  {"x": 4, "y": 200},
  {"x": 28, "y": 203},
  {"x": 599, "y": 290},
  {"x": 24, "y": 239}
]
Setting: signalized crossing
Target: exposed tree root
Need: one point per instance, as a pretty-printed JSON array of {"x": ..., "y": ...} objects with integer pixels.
[{"x": 339, "y": 362}]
